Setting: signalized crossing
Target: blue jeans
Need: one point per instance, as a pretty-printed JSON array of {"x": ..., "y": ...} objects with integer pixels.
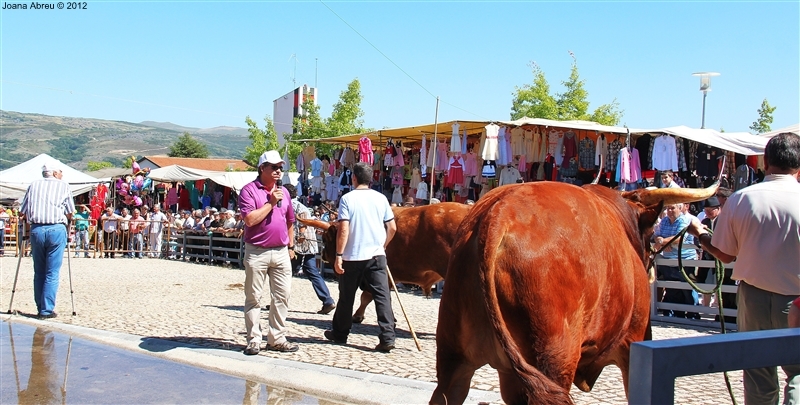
[
  {"x": 308, "y": 263},
  {"x": 47, "y": 247},
  {"x": 136, "y": 245},
  {"x": 82, "y": 242}
]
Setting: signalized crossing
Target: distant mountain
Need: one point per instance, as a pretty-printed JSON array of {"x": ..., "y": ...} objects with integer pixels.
[
  {"x": 76, "y": 141},
  {"x": 216, "y": 130}
]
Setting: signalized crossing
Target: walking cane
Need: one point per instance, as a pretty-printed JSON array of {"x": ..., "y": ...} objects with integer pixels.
[
  {"x": 397, "y": 293},
  {"x": 66, "y": 372},
  {"x": 69, "y": 268},
  {"x": 20, "y": 253}
]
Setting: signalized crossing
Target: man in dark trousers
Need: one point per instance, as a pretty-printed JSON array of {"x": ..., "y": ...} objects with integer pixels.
[
  {"x": 759, "y": 228},
  {"x": 366, "y": 226}
]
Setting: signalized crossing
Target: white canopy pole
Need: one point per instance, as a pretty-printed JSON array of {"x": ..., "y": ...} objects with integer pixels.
[{"x": 434, "y": 147}]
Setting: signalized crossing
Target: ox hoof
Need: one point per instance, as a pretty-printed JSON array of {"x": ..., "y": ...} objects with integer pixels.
[{"x": 358, "y": 319}]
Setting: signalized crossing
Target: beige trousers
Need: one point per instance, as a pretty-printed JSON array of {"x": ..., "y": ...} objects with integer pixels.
[{"x": 260, "y": 263}]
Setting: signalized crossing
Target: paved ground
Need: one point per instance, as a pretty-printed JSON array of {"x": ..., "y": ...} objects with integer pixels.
[{"x": 202, "y": 305}]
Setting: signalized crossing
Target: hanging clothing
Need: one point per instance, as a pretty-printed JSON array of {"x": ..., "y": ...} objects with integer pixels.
[
  {"x": 299, "y": 164},
  {"x": 570, "y": 148},
  {"x": 316, "y": 167},
  {"x": 331, "y": 188},
  {"x": 388, "y": 155},
  {"x": 665, "y": 155},
  {"x": 415, "y": 178},
  {"x": 365, "y": 150},
  {"x": 441, "y": 157},
  {"x": 601, "y": 149},
  {"x": 464, "y": 143},
  {"x": 398, "y": 158},
  {"x": 586, "y": 153},
  {"x": 397, "y": 176},
  {"x": 509, "y": 175},
  {"x": 309, "y": 153},
  {"x": 489, "y": 151},
  {"x": 455, "y": 140},
  {"x": 706, "y": 160},
  {"x": 502, "y": 151},
  {"x": 643, "y": 146},
  {"x": 455, "y": 170},
  {"x": 743, "y": 177},
  {"x": 628, "y": 169},
  {"x": 613, "y": 154},
  {"x": 470, "y": 164},
  {"x": 397, "y": 195},
  {"x": 348, "y": 157},
  {"x": 422, "y": 191}
]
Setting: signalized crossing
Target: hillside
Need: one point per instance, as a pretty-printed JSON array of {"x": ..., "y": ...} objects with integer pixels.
[{"x": 76, "y": 141}]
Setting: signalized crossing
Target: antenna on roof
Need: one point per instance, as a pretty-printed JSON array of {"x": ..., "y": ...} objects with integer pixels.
[{"x": 294, "y": 72}]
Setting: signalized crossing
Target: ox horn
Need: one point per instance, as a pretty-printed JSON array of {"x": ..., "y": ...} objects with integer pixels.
[
  {"x": 600, "y": 171},
  {"x": 315, "y": 223},
  {"x": 671, "y": 195}
]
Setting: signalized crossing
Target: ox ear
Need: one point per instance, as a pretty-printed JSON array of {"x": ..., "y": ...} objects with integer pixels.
[{"x": 649, "y": 215}]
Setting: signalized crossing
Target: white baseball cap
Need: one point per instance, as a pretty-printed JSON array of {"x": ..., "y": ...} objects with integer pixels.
[
  {"x": 50, "y": 167},
  {"x": 271, "y": 157}
]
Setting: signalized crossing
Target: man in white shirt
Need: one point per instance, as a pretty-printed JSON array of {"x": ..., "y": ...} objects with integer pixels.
[
  {"x": 759, "y": 228},
  {"x": 157, "y": 221},
  {"x": 110, "y": 222},
  {"x": 125, "y": 233},
  {"x": 366, "y": 226}
]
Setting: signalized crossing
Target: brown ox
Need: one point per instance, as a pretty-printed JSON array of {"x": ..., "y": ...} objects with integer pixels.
[
  {"x": 547, "y": 284},
  {"x": 419, "y": 251}
]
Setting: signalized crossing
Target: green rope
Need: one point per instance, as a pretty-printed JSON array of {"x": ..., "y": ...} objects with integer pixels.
[{"x": 719, "y": 274}]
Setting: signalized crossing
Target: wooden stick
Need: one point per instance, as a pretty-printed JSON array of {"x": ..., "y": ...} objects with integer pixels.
[{"x": 411, "y": 328}]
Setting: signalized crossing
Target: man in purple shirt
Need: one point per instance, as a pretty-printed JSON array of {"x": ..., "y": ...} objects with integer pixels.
[{"x": 268, "y": 234}]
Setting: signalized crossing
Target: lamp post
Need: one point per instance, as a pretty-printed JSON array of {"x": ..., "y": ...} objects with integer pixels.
[{"x": 705, "y": 87}]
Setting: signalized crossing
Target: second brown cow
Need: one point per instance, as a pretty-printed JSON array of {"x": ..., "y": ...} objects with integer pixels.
[{"x": 419, "y": 251}]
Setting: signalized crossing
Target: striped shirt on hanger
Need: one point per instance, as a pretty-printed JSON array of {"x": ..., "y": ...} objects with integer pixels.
[{"x": 48, "y": 201}]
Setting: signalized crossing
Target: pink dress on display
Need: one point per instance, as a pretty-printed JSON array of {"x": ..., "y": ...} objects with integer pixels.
[
  {"x": 470, "y": 164},
  {"x": 441, "y": 156},
  {"x": 365, "y": 150}
]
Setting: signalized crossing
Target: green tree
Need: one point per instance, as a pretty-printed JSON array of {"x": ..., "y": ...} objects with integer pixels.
[
  {"x": 188, "y": 147},
  {"x": 69, "y": 149},
  {"x": 95, "y": 166},
  {"x": 761, "y": 125},
  {"x": 128, "y": 162},
  {"x": 346, "y": 117},
  {"x": 536, "y": 101},
  {"x": 261, "y": 140}
]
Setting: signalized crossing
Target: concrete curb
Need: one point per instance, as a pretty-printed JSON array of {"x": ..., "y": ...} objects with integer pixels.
[{"x": 328, "y": 382}]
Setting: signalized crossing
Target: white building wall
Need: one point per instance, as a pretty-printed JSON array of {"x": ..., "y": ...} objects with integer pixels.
[{"x": 287, "y": 107}]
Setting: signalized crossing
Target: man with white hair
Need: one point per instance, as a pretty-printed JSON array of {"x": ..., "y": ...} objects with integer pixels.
[
  {"x": 157, "y": 222},
  {"x": 48, "y": 206},
  {"x": 672, "y": 224}
]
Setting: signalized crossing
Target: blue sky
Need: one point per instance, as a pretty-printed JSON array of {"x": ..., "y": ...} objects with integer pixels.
[{"x": 206, "y": 64}]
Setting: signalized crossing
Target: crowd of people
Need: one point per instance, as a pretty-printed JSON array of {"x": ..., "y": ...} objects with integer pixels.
[{"x": 761, "y": 220}]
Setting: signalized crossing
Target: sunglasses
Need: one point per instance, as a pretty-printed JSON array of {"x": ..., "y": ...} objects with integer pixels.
[{"x": 276, "y": 167}]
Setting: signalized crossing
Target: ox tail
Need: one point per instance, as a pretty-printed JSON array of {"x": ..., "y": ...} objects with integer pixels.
[{"x": 539, "y": 388}]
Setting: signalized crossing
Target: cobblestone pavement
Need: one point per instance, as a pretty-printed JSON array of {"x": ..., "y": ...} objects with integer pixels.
[{"x": 202, "y": 305}]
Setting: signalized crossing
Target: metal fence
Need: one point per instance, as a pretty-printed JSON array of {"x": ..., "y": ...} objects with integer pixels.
[{"x": 707, "y": 314}]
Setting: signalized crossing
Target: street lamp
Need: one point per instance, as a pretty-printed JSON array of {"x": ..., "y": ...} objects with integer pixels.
[{"x": 705, "y": 87}]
